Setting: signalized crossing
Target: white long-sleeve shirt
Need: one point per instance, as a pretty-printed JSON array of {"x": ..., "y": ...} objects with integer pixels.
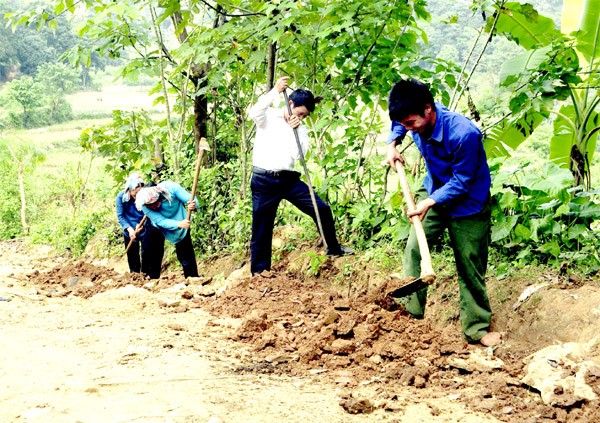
[{"x": 275, "y": 145}]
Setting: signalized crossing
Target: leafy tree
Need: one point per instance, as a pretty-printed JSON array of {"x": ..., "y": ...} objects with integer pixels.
[
  {"x": 556, "y": 75},
  {"x": 41, "y": 100},
  {"x": 58, "y": 80},
  {"x": 26, "y": 48},
  {"x": 128, "y": 142},
  {"x": 17, "y": 162},
  {"x": 211, "y": 59},
  {"x": 29, "y": 95}
]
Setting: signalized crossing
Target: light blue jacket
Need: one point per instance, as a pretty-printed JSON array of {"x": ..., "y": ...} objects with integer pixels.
[{"x": 170, "y": 213}]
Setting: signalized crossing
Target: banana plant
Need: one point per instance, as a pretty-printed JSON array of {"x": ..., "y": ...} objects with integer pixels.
[{"x": 556, "y": 76}]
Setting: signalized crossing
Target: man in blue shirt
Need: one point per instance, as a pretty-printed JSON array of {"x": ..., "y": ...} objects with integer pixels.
[{"x": 455, "y": 196}]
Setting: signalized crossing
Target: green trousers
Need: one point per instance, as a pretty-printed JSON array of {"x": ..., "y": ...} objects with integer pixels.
[{"x": 469, "y": 237}]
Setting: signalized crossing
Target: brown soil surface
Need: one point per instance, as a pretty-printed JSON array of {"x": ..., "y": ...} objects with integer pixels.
[{"x": 282, "y": 346}]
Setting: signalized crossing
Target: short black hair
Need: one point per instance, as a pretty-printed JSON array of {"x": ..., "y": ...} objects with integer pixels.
[
  {"x": 408, "y": 97},
  {"x": 304, "y": 98}
]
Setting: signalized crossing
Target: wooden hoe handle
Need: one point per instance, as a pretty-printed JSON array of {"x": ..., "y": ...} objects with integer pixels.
[
  {"x": 196, "y": 173},
  {"x": 138, "y": 229},
  {"x": 426, "y": 267}
]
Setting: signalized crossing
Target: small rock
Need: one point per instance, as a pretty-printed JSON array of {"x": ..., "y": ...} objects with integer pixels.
[
  {"x": 486, "y": 405},
  {"x": 344, "y": 328},
  {"x": 277, "y": 358},
  {"x": 252, "y": 325},
  {"x": 169, "y": 303},
  {"x": 200, "y": 280},
  {"x": 376, "y": 359},
  {"x": 435, "y": 411},
  {"x": 342, "y": 346},
  {"x": 476, "y": 361},
  {"x": 357, "y": 406},
  {"x": 72, "y": 281},
  {"x": 181, "y": 308},
  {"x": 344, "y": 380},
  {"x": 330, "y": 317},
  {"x": 365, "y": 331},
  {"x": 179, "y": 287}
]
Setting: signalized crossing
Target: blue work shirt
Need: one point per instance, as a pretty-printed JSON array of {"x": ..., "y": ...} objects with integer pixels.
[
  {"x": 170, "y": 213},
  {"x": 458, "y": 175},
  {"x": 127, "y": 214}
]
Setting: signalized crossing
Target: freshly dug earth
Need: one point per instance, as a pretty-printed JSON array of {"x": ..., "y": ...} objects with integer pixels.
[{"x": 284, "y": 330}]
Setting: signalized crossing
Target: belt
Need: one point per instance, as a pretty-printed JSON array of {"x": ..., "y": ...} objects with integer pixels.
[{"x": 274, "y": 173}]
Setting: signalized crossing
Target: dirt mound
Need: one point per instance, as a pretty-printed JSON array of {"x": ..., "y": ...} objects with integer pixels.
[
  {"x": 324, "y": 330},
  {"x": 301, "y": 327},
  {"x": 84, "y": 280}
]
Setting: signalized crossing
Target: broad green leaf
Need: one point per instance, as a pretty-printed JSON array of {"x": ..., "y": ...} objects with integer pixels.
[
  {"x": 550, "y": 247},
  {"x": 523, "y": 232},
  {"x": 549, "y": 205},
  {"x": 503, "y": 226},
  {"x": 562, "y": 209},
  {"x": 576, "y": 231},
  {"x": 523, "y": 62},
  {"x": 511, "y": 133},
  {"x": 588, "y": 37},
  {"x": 554, "y": 180},
  {"x": 563, "y": 135},
  {"x": 53, "y": 25},
  {"x": 508, "y": 201},
  {"x": 588, "y": 210},
  {"x": 521, "y": 23}
]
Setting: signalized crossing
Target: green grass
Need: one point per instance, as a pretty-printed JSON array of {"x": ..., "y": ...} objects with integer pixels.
[{"x": 118, "y": 97}]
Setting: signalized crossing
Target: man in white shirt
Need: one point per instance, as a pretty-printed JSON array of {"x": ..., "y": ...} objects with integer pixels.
[{"x": 274, "y": 154}]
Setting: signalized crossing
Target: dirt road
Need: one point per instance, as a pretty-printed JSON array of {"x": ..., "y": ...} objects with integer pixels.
[{"x": 82, "y": 343}]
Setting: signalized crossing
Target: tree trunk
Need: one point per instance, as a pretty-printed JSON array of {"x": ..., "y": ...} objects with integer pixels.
[
  {"x": 200, "y": 101},
  {"x": 21, "y": 191},
  {"x": 23, "y": 203},
  {"x": 200, "y": 113}
]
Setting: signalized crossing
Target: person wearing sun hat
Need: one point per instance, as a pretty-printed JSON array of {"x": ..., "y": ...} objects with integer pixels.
[
  {"x": 146, "y": 252},
  {"x": 166, "y": 206}
]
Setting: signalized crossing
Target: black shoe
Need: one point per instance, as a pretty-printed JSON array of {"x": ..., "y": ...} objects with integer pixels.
[{"x": 343, "y": 251}]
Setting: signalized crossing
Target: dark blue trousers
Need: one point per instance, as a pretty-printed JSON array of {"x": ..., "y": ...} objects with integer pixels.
[
  {"x": 152, "y": 244},
  {"x": 268, "y": 189},
  {"x": 187, "y": 256}
]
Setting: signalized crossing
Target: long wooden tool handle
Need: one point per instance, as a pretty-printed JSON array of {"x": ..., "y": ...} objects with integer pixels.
[
  {"x": 196, "y": 173},
  {"x": 138, "y": 229},
  {"x": 313, "y": 198},
  {"x": 426, "y": 267}
]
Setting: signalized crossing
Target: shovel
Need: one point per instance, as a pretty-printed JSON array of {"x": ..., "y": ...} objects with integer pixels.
[{"x": 427, "y": 275}]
